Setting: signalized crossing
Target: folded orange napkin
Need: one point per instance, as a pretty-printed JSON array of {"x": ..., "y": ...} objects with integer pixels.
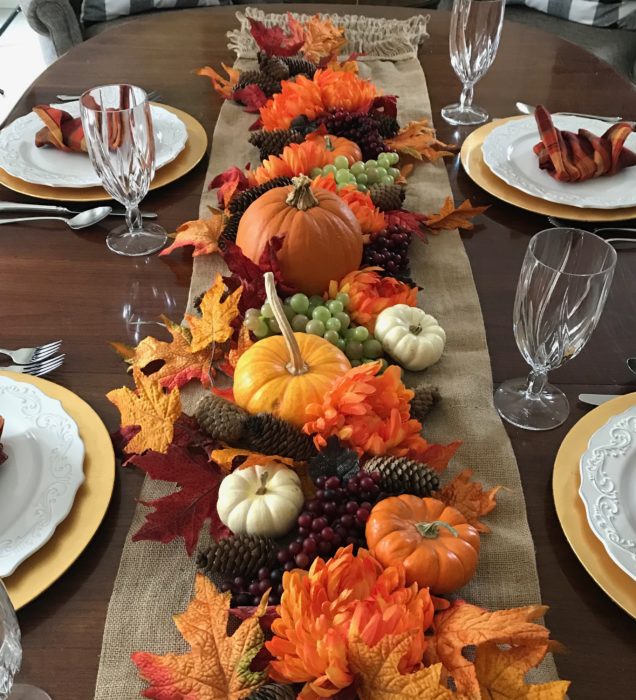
[
  {"x": 571, "y": 157},
  {"x": 3, "y": 456}
]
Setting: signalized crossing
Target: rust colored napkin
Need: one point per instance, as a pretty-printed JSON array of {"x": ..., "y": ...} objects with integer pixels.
[
  {"x": 571, "y": 157},
  {"x": 3, "y": 456}
]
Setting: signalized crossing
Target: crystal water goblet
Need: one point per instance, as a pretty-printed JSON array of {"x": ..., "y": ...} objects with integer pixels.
[
  {"x": 564, "y": 282},
  {"x": 120, "y": 140},
  {"x": 474, "y": 36},
  {"x": 11, "y": 655}
]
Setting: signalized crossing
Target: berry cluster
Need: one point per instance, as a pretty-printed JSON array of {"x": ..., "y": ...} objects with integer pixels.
[
  {"x": 389, "y": 249},
  {"x": 363, "y": 129}
]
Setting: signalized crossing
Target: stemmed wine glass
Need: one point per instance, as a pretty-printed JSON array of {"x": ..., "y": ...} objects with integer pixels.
[
  {"x": 564, "y": 282},
  {"x": 473, "y": 42},
  {"x": 11, "y": 655},
  {"x": 120, "y": 140}
]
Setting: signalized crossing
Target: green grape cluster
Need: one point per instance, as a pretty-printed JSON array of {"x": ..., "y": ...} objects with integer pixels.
[
  {"x": 327, "y": 319},
  {"x": 364, "y": 175}
]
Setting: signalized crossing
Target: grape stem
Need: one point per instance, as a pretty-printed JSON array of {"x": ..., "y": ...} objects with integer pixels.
[
  {"x": 431, "y": 530},
  {"x": 296, "y": 364},
  {"x": 301, "y": 197}
]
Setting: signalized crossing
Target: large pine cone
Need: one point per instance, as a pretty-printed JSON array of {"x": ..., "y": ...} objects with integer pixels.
[
  {"x": 238, "y": 555},
  {"x": 220, "y": 419},
  {"x": 273, "y": 691},
  {"x": 272, "y": 143},
  {"x": 241, "y": 201},
  {"x": 425, "y": 399},
  {"x": 231, "y": 228},
  {"x": 403, "y": 475},
  {"x": 264, "y": 81},
  {"x": 273, "y": 66},
  {"x": 387, "y": 126},
  {"x": 271, "y": 435},
  {"x": 298, "y": 65},
  {"x": 387, "y": 197}
]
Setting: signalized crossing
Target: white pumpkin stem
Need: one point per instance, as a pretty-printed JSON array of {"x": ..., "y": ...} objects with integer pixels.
[
  {"x": 296, "y": 364},
  {"x": 262, "y": 489},
  {"x": 416, "y": 330},
  {"x": 301, "y": 197},
  {"x": 431, "y": 530}
]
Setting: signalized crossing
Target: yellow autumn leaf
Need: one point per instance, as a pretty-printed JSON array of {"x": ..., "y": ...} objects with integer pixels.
[
  {"x": 202, "y": 234},
  {"x": 322, "y": 39},
  {"x": 418, "y": 139},
  {"x": 225, "y": 457}
]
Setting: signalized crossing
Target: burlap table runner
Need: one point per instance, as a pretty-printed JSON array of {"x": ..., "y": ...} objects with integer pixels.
[{"x": 155, "y": 580}]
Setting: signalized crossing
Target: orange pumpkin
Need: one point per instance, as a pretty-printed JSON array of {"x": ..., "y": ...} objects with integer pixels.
[
  {"x": 433, "y": 541},
  {"x": 283, "y": 374},
  {"x": 323, "y": 240}
]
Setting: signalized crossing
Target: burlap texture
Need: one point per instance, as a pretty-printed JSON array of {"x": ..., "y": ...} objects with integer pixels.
[{"x": 155, "y": 580}]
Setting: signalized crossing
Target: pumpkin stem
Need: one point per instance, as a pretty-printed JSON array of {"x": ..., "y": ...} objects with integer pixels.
[
  {"x": 296, "y": 364},
  {"x": 416, "y": 330},
  {"x": 431, "y": 530},
  {"x": 262, "y": 489},
  {"x": 301, "y": 195}
]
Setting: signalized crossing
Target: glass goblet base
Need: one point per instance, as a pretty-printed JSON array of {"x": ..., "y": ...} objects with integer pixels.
[
  {"x": 543, "y": 411},
  {"x": 464, "y": 116},
  {"x": 150, "y": 239},
  {"x": 27, "y": 692}
]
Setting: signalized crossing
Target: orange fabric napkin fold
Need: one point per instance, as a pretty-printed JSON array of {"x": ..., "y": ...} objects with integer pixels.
[{"x": 571, "y": 157}]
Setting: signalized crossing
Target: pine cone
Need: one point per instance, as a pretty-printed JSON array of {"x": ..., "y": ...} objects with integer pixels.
[
  {"x": 264, "y": 81},
  {"x": 387, "y": 197},
  {"x": 298, "y": 65},
  {"x": 271, "y": 435},
  {"x": 388, "y": 126},
  {"x": 424, "y": 400},
  {"x": 231, "y": 227},
  {"x": 247, "y": 78},
  {"x": 273, "y": 691},
  {"x": 220, "y": 419},
  {"x": 238, "y": 555},
  {"x": 334, "y": 460},
  {"x": 403, "y": 475},
  {"x": 271, "y": 143},
  {"x": 241, "y": 201},
  {"x": 273, "y": 66}
]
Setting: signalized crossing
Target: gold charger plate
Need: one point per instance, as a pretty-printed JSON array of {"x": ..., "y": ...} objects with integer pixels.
[
  {"x": 474, "y": 165},
  {"x": 191, "y": 155},
  {"x": 566, "y": 480},
  {"x": 74, "y": 533}
]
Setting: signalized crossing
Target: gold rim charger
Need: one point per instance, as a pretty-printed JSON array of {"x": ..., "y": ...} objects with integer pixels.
[
  {"x": 74, "y": 533},
  {"x": 566, "y": 480},
  {"x": 193, "y": 152},
  {"x": 473, "y": 161}
]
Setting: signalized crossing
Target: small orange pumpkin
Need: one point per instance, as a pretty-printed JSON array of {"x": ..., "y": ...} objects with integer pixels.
[
  {"x": 433, "y": 541},
  {"x": 323, "y": 239},
  {"x": 283, "y": 374}
]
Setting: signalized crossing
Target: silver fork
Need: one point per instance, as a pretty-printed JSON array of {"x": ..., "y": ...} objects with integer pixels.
[
  {"x": 153, "y": 95},
  {"x": 559, "y": 223},
  {"x": 40, "y": 352},
  {"x": 37, "y": 369}
]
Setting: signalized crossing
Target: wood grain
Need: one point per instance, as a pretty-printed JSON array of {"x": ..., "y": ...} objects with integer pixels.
[{"x": 58, "y": 283}]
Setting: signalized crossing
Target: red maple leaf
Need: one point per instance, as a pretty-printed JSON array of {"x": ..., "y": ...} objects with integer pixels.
[
  {"x": 384, "y": 105},
  {"x": 182, "y": 513},
  {"x": 407, "y": 219},
  {"x": 251, "y": 96},
  {"x": 229, "y": 182},
  {"x": 274, "y": 41}
]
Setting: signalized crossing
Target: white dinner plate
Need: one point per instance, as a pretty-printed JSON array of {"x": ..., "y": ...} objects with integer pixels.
[
  {"x": 44, "y": 469},
  {"x": 507, "y": 151},
  {"x": 49, "y": 166},
  {"x": 608, "y": 488}
]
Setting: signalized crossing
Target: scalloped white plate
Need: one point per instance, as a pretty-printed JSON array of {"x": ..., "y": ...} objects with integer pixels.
[
  {"x": 608, "y": 488},
  {"x": 42, "y": 474},
  {"x": 507, "y": 151},
  {"x": 20, "y": 157}
]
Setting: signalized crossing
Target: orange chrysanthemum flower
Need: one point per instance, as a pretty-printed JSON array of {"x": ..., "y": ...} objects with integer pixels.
[
  {"x": 369, "y": 294},
  {"x": 369, "y": 412},
  {"x": 335, "y": 601},
  {"x": 369, "y": 217},
  {"x": 344, "y": 90}
]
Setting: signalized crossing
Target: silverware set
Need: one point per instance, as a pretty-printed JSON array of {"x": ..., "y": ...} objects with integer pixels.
[
  {"x": 153, "y": 96},
  {"x": 38, "y": 360},
  {"x": 78, "y": 220}
]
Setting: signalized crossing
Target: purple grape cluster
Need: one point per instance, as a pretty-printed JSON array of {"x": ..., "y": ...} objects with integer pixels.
[
  {"x": 389, "y": 249},
  {"x": 363, "y": 129}
]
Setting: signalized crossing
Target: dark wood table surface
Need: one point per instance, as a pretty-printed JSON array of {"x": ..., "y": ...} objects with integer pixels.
[{"x": 58, "y": 283}]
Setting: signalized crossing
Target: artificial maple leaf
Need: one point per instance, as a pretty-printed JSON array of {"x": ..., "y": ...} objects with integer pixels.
[
  {"x": 125, "y": 351},
  {"x": 215, "y": 323},
  {"x": 151, "y": 409},
  {"x": 182, "y": 513},
  {"x": 244, "y": 343},
  {"x": 469, "y": 498},
  {"x": 379, "y": 677},
  {"x": 322, "y": 39},
  {"x": 224, "y": 86},
  {"x": 230, "y": 182},
  {"x": 464, "y": 625},
  {"x": 226, "y": 457},
  {"x": 450, "y": 217},
  {"x": 217, "y": 667},
  {"x": 251, "y": 97},
  {"x": 274, "y": 41},
  {"x": 202, "y": 234},
  {"x": 438, "y": 456},
  {"x": 418, "y": 140}
]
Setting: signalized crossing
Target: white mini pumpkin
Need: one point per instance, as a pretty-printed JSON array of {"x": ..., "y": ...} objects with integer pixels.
[
  {"x": 410, "y": 336},
  {"x": 260, "y": 500}
]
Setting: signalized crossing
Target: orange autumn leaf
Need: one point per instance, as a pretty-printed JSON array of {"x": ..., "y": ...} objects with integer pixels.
[
  {"x": 217, "y": 667},
  {"x": 322, "y": 39},
  {"x": 469, "y": 498},
  {"x": 245, "y": 342},
  {"x": 225, "y": 457},
  {"x": 419, "y": 140},
  {"x": 224, "y": 86},
  {"x": 127, "y": 352},
  {"x": 450, "y": 217},
  {"x": 154, "y": 411},
  {"x": 379, "y": 677},
  {"x": 202, "y": 234},
  {"x": 215, "y": 323}
]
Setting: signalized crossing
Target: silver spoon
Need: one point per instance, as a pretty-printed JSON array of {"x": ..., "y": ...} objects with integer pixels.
[
  {"x": 525, "y": 108},
  {"x": 631, "y": 363},
  {"x": 28, "y": 208},
  {"x": 83, "y": 220}
]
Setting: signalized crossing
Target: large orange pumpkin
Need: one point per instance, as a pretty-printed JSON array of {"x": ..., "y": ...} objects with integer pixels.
[
  {"x": 323, "y": 240},
  {"x": 283, "y": 374},
  {"x": 433, "y": 541}
]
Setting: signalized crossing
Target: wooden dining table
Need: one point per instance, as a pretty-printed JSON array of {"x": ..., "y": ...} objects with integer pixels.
[{"x": 60, "y": 283}]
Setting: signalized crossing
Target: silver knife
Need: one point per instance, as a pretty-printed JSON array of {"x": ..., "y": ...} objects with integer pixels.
[
  {"x": 52, "y": 209},
  {"x": 597, "y": 399}
]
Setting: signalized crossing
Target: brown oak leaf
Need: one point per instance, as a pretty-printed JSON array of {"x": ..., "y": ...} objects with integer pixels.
[
  {"x": 418, "y": 140},
  {"x": 215, "y": 323},
  {"x": 217, "y": 667},
  {"x": 224, "y": 86},
  {"x": 154, "y": 411},
  {"x": 322, "y": 39},
  {"x": 202, "y": 234},
  {"x": 469, "y": 498},
  {"x": 450, "y": 217}
]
